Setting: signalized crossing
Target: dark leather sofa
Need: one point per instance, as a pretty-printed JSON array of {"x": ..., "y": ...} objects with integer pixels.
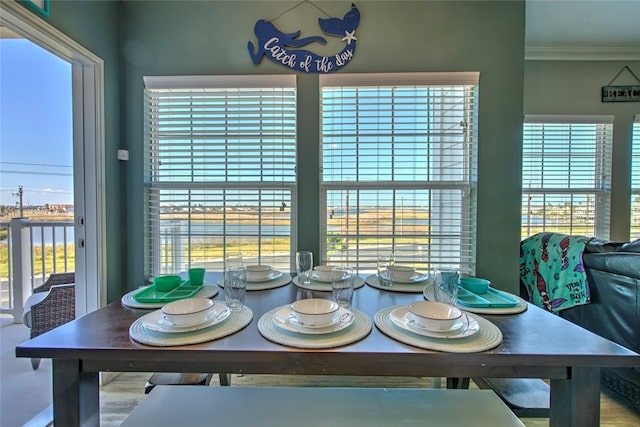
[{"x": 613, "y": 274}]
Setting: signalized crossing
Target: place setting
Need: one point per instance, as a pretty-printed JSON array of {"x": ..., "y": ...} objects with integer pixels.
[
  {"x": 191, "y": 321},
  {"x": 320, "y": 279},
  {"x": 397, "y": 277},
  {"x": 261, "y": 277},
  {"x": 317, "y": 322},
  {"x": 434, "y": 325},
  {"x": 168, "y": 288},
  {"x": 476, "y": 295}
]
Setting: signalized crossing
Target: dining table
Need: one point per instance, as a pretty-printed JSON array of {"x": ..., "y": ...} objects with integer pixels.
[{"x": 533, "y": 343}]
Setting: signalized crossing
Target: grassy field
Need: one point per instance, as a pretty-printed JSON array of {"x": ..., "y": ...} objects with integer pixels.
[
  {"x": 373, "y": 222},
  {"x": 38, "y": 259}
]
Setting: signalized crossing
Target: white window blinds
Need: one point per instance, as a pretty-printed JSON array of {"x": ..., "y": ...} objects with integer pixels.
[
  {"x": 399, "y": 169},
  {"x": 635, "y": 179},
  {"x": 220, "y": 170},
  {"x": 566, "y": 175}
]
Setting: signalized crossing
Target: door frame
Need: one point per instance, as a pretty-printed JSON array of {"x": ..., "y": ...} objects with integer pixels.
[{"x": 88, "y": 149}]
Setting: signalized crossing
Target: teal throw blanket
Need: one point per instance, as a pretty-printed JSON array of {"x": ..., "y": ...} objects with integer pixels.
[{"x": 551, "y": 270}]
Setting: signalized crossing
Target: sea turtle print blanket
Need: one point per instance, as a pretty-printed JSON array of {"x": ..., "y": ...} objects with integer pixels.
[{"x": 551, "y": 270}]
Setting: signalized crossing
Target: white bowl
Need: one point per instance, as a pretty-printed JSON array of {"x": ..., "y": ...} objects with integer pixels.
[
  {"x": 315, "y": 311},
  {"x": 323, "y": 273},
  {"x": 433, "y": 315},
  {"x": 401, "y": 273},
  {"x": 256, "y": 273},
  {"x": 188, "y": 311}
]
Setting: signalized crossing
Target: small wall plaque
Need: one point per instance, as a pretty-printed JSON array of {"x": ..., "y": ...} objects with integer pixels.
[
  {"x": 621, "y": 93},
  {"x": 287, "y": 49}
]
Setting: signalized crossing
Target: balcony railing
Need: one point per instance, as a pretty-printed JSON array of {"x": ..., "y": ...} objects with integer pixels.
[{"x": 29, "y": 253}]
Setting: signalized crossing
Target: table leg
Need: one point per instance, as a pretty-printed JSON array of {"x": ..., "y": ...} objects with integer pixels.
[
  {"x": 76, "y": 395},
  {"x": 575, "y": 402}
]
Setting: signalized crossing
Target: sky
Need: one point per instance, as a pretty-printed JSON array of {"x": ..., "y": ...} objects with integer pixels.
[{"x": 36, "y": 145}]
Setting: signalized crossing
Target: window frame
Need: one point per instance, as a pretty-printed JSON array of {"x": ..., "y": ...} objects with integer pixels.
[
  {"x": 602, "y": 170},
  {"x": 238, "y": 185},
  {"x": 635, "y": 179},
  {"x": 434, "y": 256}
]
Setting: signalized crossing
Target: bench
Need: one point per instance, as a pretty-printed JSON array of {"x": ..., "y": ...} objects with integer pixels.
[
  {"x": 197, "y": 406},
  {"x": 526, "y": 397}
]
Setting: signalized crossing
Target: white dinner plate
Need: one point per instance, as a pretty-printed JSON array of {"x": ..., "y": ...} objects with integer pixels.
[
  {"x": 156, "y": 321},
  {"x": 416, "y": 278},
  {"x": 285, "y": 319},
  {"x": 410, "y": 319},
  {"x": 282, "y": 280},
  {"x": 466, "y": 327},
  {"x": 275, "y": 274},
  {"x": 315, "y": 278}
]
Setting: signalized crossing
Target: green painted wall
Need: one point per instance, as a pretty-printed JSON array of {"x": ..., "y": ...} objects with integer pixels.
[
  {"x": 138, "y": 38},
  {"x": 181, "y": 38},
  {"x": 564, "y": 87}
]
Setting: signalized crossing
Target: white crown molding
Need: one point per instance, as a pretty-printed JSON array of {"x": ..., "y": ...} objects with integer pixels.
[{"x": 578, "y": 53}]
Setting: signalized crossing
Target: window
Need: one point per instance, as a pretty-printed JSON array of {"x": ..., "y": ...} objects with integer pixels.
[
  {"x": 635, "y": 179},
  {"x": 399, "y": 169},
  {"x": 220, "y": 162},
  {"x": 566, "y": 175}
]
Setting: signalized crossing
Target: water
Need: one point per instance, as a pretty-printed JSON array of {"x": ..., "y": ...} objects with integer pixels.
[
  {"x": 209, "y": 228},
  {"x": 48, "y": 234}
]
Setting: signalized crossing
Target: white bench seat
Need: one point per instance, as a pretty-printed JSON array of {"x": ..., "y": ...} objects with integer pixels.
[{"x": 196, "y": 406}]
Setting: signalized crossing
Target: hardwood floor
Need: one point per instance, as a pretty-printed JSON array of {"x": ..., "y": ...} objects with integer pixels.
[{"x": 121, "y": 395}]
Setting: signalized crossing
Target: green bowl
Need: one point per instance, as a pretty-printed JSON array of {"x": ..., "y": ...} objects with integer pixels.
[
  {"x": 475, "y": 284},
  {"x": 167, "y": 283}
]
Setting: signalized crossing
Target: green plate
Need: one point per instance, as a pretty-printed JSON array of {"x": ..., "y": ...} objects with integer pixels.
[
  {"x": 152, "y": 295},
  {"x": 492, "y": 298}
]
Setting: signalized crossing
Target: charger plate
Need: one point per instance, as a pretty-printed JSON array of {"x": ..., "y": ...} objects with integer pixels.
[
  {"x": 235, "y": 322},
  {"x": 282, "y": 280},
  {"x": 315, "y": 285},
  {"x": 416, "y": 287},
  {"x": 488, "y": 337},
  {"x": 128, "y": 299},
  {"x": 360, "y": 328},
  {"x": 519, "y": 308}
]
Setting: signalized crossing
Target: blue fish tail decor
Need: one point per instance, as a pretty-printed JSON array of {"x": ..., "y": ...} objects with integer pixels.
[{"x": 286, "y": 48}]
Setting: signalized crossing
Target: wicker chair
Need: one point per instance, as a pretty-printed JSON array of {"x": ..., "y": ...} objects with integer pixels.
[{"x": 57, "y": 308}]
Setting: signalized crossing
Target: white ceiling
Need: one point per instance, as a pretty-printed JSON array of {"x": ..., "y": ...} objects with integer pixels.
[{"x": 583, "y": 29}]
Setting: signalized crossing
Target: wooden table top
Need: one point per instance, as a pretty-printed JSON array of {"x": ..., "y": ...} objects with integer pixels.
[{"x": 536, "y": 343}]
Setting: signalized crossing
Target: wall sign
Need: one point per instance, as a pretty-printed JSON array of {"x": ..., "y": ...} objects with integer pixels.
[
  {"x": 286, "y": 48},
  {"x": 621, "y": 93}
]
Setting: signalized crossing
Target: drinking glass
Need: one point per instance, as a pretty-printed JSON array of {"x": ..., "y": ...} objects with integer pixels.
[
  {"x": 446, "y": 286},
  {"x": 342, "y": 285},
  {"x": 235, "y": 287},
  {"x": 233, "y": 260},
  {"x": 304, "y": 266},
  {"x": 384, "y": 275}
]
